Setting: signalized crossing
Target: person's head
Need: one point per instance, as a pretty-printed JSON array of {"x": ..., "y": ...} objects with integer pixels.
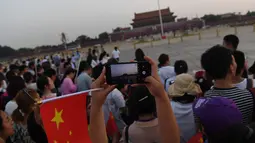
[
  {"x": 180, "y": 67},
  {"x": 94, "y": 51},
  {"x": 85, "y": 67},
  {"x": 31, "y": 65},
  {"x": 23, "y": 69},
  {"x": 46, "y": 65},
  {"x": 139, "y": 55},
  {"x": 240, "y": 62},
  {"x": 102, "y": 55},
  {"x": 26, "y": 100},
  {"x": 219, "y": 63},
  {"x": 1, "y": 67},
  {"x": 14, "y": 68},
  {"x": 115, "y": 48},
  {"x": 141, "y": 103},
  {"x": 51, "y": 73},
  {"x": 62, "y": 60},
  {"x": 231, "y": 42},
  {"x": 44, "y": 84},
  {"x": 70, "y": 73},
  {"x": 6, "y": 126},
  {"x": 184, "y": 89},
  {"x": 15, "y": 85},
  {"x": 67, "y": 65},
  {"x": 216, "y": 114},
  {"x": 28, "y": 77},
  {"x": 163, "y": 60}
]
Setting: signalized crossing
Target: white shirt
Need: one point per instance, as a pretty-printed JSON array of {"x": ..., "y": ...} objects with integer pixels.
[
  {"x": 185, "y": 119},
  {"x": 113, "y": 103},
  {"x": 168, "y": 82},
  {"x": 166, "y": 72},
  {"x": 10, "y": 107},
  {"x": 115, "y": 54},
  {"x": 243, "y": 84}
]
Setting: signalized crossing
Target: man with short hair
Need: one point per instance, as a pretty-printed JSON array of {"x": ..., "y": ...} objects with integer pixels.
[
  {"x": 231, "y": 41},
  {"x": 84, "y": 80},
  {"x": 238, "y": 80},
  {"x": 220, "y": 64},
  {"x": 180, "y": 67}
]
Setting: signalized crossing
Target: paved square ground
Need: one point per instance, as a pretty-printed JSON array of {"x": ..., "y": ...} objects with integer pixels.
[{"x": 191, "y": 48}]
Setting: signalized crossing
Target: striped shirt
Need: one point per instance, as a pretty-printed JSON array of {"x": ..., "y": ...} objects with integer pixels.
[{"x": 242, "y": 98}]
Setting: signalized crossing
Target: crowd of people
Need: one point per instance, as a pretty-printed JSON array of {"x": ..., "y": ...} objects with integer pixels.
[{"x": 173, "y": 106}]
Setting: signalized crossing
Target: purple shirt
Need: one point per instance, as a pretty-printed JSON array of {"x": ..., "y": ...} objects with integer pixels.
[{"x": 68, "y": 86}]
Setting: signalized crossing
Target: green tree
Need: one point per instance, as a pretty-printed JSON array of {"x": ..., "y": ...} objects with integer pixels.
[{"x": 103, "y": 36}]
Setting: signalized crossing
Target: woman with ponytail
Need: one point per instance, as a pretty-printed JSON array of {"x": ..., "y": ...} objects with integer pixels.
[{"x": 26, "y": 100}]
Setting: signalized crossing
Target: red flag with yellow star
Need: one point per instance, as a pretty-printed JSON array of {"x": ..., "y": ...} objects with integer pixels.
[
  {"x": 198, "y": 138},
  {"x": 65, "y": 119}
]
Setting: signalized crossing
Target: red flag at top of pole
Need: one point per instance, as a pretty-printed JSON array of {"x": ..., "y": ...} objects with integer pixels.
[{"x": 65, "y": 119}]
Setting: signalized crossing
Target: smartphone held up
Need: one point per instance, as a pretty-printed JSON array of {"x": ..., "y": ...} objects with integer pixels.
[{"x": 127, "y": 73}]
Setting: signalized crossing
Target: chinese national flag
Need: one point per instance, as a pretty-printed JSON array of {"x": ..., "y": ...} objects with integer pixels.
[
  {"x": 111, "y": 127},
  {"x": 65, "y": 119},
  {"x": 198, "y": 138}
]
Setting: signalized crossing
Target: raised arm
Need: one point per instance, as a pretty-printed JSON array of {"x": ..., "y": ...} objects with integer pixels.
[
  {"x": 97, "y": 125},
  {"x": 169, "y": 131}
]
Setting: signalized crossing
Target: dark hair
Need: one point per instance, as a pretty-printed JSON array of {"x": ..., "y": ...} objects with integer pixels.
[
  {"x": 94, "y": 51},
  {"x": 22, "y": 68},
  {"x": 112, "y": 61},
  {"x": 141, "y": 102},
  {"x": 35, "y": 130},
  {"x": 46, "y": 65},
  {"x": 41, "y": 82},
  {"x": 240, "y": 61},
  {"x": 62, "y": 60},
  {"x": 102, "y": 56},
  {"x": 232, "y": 39},
  {"x": 31, "y": 65},
  {"x": 139, "y": 55},
  {"x": 180, "y": 67},
  {"x": 1, "y": 122},
  {"x": 67, "y": 72},
  {"x": 13, "y": 67},
  {"x": 163, "y": 58},
  {"x": 28, "y": 77},
  {"x": 115, "y": 48},
  {"x": 83, "y": 66},
  {"x": 9, "y": 75},
  {"x": 15, "y": 85},
  {"x": 66, "y": 64},
  {"x": 216, "y": 61},
  {"x": 50, "y": 72}
]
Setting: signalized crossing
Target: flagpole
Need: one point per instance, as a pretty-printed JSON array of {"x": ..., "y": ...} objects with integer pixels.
[
  {"x": 160, "y": 19},
  {"x": 69, "y": 95}
]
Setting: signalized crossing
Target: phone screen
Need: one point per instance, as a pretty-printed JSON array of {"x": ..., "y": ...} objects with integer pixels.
[
  {"x": 127, "y": 73},
  {"x": 124, "y": 73}
]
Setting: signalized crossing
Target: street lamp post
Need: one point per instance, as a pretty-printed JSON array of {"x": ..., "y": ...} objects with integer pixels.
[{"x": 160, "y": 19}]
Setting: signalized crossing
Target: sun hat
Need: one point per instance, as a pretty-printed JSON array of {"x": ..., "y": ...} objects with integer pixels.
[
  {"x": 216, "y": 114},
  {"x": 184, "y": 83}
]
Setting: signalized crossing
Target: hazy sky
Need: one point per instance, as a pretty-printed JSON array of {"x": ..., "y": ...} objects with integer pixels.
[{"x": 30, "y": 23}]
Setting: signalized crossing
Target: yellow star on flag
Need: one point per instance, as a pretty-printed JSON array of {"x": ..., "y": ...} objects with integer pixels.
[
  {"x": 70, "y": 133},
  {"x": 55, "y": 141},
  {"x": 58, "y": 118}
]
